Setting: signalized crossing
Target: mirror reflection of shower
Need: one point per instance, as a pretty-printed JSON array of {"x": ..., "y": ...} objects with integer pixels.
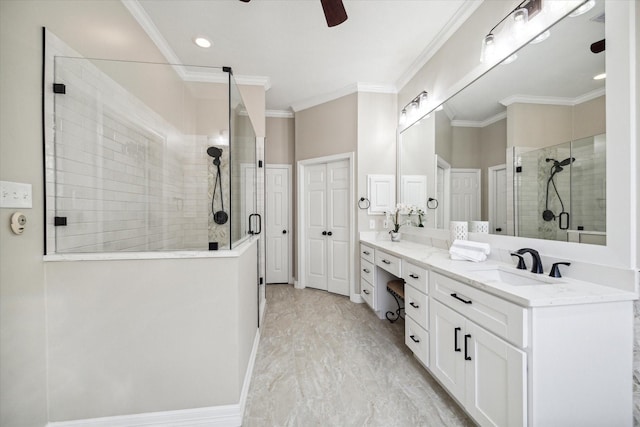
[{"x": 547, "y": 214}]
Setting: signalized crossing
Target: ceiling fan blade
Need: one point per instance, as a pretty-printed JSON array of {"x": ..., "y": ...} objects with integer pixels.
[
  {"x": 245, "y": 1},
  {"x": 334, "y": 12},
  {"x": 598, "y": 46}
]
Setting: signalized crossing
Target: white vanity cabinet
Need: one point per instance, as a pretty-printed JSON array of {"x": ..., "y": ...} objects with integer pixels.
[
  {"x": 367, "y": 275},
  {"x": 416, "y": 308}
]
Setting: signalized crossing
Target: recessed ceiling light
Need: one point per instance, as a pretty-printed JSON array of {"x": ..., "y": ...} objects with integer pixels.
[
  {"x": 202, "y": 42},
  {"x": 600, "y": 76}
]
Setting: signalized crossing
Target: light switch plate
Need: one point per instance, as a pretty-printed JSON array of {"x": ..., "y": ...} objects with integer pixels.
[
  {"x": 15, "y": 195},
  {"x": 372, "y": 224}
]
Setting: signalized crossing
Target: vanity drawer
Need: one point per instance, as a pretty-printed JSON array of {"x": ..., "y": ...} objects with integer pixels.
[
  {"x": 416, "y": 307},
  {"x": 418, "y": 277},
  {"x": 366, "y": 253},
  {"x": 366, "y": 270},
  {"x": 501, "y": 317},
  {"x": 417, "y": 339},
  {"x": 388, "y": 262},
  {"x": 368, "y": 293}
]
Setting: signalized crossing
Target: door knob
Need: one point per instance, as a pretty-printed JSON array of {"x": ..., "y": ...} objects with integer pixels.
[
  {"x": 329, "y": 233},
  {"x": 284, "y": 231},
  {"x": 324, "y": 233}
]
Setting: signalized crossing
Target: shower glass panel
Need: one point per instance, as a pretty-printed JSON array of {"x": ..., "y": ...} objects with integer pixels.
[
  {"x": 560, "y": 191},
  {"x": 127, "y": 163}
]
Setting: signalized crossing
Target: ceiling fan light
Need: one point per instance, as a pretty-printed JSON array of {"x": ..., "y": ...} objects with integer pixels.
[{"x": 584, "y": 8}]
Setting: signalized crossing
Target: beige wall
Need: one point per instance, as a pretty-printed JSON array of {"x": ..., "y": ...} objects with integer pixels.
[
  {"x": 444, "y": 136},
  {"x": 254, "y": 98},
  {"x": 280, "y": 143},
  {"x": 589, "y": 118},
  {"x": 326, "y": 129},
  {"x": 493, "y": 152}
]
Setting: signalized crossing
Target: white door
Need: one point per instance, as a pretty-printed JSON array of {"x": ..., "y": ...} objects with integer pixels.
[
  {"x": 496, "y": 380},
  {"x": 465, "y": 194},
  {"x": 315, "y": 220},
  {"x": 277, "y": 229},
  {"x": 447, "y": 348},
  {"x": 326, "y": 226},
  {"x": 338, "y": 256},
  {"x": 498, "y": 199}
]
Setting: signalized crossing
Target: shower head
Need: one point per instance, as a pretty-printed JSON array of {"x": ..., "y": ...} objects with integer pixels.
[
  {"x": 567, "y": 161},
  {"x": 214, "y": 152}
]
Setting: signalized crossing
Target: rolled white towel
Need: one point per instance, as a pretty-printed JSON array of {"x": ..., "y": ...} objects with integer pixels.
[
  {"x": 467, "y": 255},
  {"x": 470, "y": 245}
]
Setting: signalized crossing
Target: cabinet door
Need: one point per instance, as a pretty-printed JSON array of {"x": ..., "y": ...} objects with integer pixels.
[
  {"x": 446, "y": 348},
  {"x": 496, "y": 379}
]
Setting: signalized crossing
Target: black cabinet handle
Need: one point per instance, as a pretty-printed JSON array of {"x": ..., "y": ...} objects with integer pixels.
[
  {"x": 413, "y": 276},
  {"x": 365, "y": 291},
  {"x": 455, "y": 339},
  {"x": 324, "y": 233},
  {"x": 498, "y": 229},
  {"x": 414, "y": 305},
  {"x": 284, "y": 231},
  {"x": 460, "y": 299},
  {"x": 366, "y": 252},
  {"x": 386, "y": 261},
  {"x": 329, "y": 233},
  {"x": 413, "y": 337},
  {"x": 466, "y": 356},
  {"x": 366, "y": 270}
]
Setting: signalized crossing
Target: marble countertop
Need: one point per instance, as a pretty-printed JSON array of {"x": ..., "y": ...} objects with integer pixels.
[{"x": 561, "y": 291}]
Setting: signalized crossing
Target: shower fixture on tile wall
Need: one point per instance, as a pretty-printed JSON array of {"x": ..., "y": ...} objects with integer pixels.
[
  {"x": 547, "y": 214},
  {"x": 220, "y": 217}
]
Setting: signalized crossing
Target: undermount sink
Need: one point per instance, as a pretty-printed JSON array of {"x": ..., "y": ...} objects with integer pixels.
[{"x": 512, "y": 277}]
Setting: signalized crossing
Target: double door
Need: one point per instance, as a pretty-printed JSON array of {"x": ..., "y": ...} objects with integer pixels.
[
  {"x": 483, "y": 372},
  {"x": 326, "y": 226}
]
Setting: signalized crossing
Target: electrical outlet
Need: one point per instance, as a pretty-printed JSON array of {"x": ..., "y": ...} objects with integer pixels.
[
  {"x": 372, "y": 224},
  {"x": 15, "y": 195}
]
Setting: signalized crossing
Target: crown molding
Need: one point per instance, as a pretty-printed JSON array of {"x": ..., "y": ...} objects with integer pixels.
[
  {"x": 376, "y": 88},
  {"x": 143, "y": 19},
  {"x": 280, "y": 114},
  {"x": 339, "y": 93},
  {"x": 461, "y": 15},
  {"x": 553, "y": 100},
  {"x": 479, "y": 124}
]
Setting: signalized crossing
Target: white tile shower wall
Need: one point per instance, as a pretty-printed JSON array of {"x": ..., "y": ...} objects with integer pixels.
[{"x": 124, "y": 177}]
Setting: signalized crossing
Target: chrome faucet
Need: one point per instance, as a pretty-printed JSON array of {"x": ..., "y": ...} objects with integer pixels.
[{"x": 537, "y": 262}]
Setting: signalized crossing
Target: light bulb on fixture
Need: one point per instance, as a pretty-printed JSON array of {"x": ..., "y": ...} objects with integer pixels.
[
  {"x": 422, "y": 99},
  {"x": 488, "y": 48},
  {"x": 403, "y": 117},
  {"x": 584, "y": 8},
  {"x": 412, "y": 109},
  {"x": 520, "y": 17}
]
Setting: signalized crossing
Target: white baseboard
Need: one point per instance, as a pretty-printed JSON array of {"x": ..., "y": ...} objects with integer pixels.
[
  {"x": 213, "y": 416},
  {"x": 298, "y": 285},
  {"x": 356, "y": 298},
  {"x": 263, "y": 306}
]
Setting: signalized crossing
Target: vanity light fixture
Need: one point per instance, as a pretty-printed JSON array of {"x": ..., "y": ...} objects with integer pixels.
[
  {"x": 411, "y": 111},
  {"x": 600, "y": 76},
  {"x": 516, "y": 20},
  {"x": 202, "y": 42},
  {"x": 584, "y": 8}
]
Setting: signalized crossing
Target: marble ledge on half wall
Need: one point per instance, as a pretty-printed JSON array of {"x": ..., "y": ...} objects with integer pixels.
[{"x": 111, "y": 256}]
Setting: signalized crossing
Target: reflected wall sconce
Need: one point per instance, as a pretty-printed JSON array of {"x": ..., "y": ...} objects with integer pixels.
[
  {"x": 411, "y": 111},
  {"x": 514, "y": 22}
]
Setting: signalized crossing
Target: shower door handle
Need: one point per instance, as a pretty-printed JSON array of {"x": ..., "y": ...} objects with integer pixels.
[{"x": 259, "y": 222}]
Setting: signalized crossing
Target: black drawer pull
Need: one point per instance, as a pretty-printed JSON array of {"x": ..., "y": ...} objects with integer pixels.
[
  {"x": 466, "y": 356},
  {"x": 366, "y": 270},
  {"x": 365, "y": 291},
  {"x": 413, "y": 337},
  {"x": 413, "y": 276},
  {"x": 455, "y": 339},
  {"x": 386, "y": 261},
  {"x": 414, "y": 305},
  {"x": 460, "y": 299},
  {"x": 366, "y": 252}
]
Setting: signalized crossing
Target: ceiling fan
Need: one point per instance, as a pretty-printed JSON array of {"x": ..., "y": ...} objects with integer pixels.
[{"x": 334, "y": 11}]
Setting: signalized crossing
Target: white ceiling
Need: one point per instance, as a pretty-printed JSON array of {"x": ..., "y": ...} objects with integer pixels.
[{"x": 287, "y": 45}]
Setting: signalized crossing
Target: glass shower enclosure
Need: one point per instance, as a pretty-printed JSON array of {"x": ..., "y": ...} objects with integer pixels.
[{"x": 139, "y": 157}]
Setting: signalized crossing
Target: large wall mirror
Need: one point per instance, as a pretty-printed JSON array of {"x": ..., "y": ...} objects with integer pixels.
[{"x": 522, "y": 147}]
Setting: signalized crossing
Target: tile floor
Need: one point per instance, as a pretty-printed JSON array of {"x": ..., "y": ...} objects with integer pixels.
[{"x": 325, "y": 361}]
